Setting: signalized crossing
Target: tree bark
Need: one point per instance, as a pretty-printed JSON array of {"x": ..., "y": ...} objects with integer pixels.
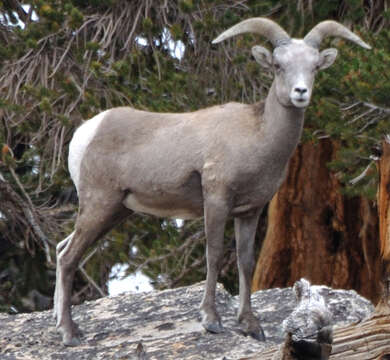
[
  {"x": 316, "y": 232},
  {"x": 384, "y": 200}
]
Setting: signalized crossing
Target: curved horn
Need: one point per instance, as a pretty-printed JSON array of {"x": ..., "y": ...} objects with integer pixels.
[
  {"x": 268, "y": 28},
  {"x": 332, "y": 28}
]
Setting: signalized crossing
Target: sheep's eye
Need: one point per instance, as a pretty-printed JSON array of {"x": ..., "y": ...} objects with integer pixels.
[{"x": 277, "y": 67}]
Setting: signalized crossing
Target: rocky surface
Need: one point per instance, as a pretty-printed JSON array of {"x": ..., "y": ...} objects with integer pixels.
[{"x": 163, "y": 325}]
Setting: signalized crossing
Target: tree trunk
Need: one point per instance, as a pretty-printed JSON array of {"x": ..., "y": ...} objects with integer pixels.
[
  {"x": 384, "y": 200},
  {"x": 316, "y": 232}
]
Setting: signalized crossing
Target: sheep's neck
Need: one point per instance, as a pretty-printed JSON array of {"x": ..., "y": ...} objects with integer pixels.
[{"x": 282, "y": 124}]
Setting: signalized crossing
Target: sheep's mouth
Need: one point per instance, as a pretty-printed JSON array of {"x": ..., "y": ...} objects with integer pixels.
[{"x": 300, "y": 102}]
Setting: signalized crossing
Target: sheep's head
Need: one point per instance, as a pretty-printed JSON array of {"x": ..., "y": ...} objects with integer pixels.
[
  {"x": 294, "y": 62},
  {"x": 294, "y": 66}
]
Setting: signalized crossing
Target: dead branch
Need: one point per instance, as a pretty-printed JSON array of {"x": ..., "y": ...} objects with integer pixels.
[
  {"x": 198, "y": 237},
  {"x": 29, "y": 212}
]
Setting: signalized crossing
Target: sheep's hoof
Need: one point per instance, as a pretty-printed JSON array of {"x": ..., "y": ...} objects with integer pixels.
[
  {"x": 211, "y": 322},
  {"x": 70, "y": 337},
  {"x": 213, "y": 327},
  {"x": 257, "y": 335},
  {"x": 71, "y": 341},
  {"x": 250, "y": 326}
]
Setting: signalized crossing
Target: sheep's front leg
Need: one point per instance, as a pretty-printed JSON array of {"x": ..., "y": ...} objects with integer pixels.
[
  {"x": 245, "y": 230},
  {"x": 215, "y": 214}
]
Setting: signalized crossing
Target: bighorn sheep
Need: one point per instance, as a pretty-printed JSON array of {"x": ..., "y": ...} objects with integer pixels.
[{"x": 226, "y": 160}]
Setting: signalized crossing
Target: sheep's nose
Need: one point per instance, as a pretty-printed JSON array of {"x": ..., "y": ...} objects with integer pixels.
[{"x": 300, "y": 90}]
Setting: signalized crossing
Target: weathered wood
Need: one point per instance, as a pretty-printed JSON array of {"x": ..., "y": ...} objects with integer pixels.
[
  {"x": 384, "y": 200},
  {"x": 367, "y": 340}
]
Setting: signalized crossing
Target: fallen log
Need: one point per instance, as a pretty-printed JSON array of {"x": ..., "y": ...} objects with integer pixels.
[{"x": 368, "y": 340}]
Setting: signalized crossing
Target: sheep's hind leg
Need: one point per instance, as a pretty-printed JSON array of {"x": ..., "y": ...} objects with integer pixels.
[
  {"x": 67, "y": 260},
  {"x": 245, "y": 230},
  {"x": 60, "y": 247},
  {"x": 94, "y": 220}
]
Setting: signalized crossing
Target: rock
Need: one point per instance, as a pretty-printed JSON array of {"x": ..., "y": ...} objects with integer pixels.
[{"x": 163, "y": 325}]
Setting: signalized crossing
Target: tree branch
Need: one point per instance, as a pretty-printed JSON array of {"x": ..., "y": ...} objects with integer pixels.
[{"x": 28, "y": 210}]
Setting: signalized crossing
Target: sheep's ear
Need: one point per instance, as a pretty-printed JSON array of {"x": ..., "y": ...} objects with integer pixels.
[
  {"x": 262, "y": 56},
  {"x": 327, "y": 58}
]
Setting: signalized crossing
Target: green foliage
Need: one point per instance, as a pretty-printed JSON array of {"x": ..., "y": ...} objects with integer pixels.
[
  {"x": 351, "y": 106},
  {"x": 186, "y": 6}
]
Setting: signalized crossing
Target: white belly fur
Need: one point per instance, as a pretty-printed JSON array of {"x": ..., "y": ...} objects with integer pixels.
[
  {"x": 131, "y": 202},
  {"x": 80, "y": 141}
]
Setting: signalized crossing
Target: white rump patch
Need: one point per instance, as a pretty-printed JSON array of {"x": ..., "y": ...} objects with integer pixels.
[{"x": 80, "y": 141}]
